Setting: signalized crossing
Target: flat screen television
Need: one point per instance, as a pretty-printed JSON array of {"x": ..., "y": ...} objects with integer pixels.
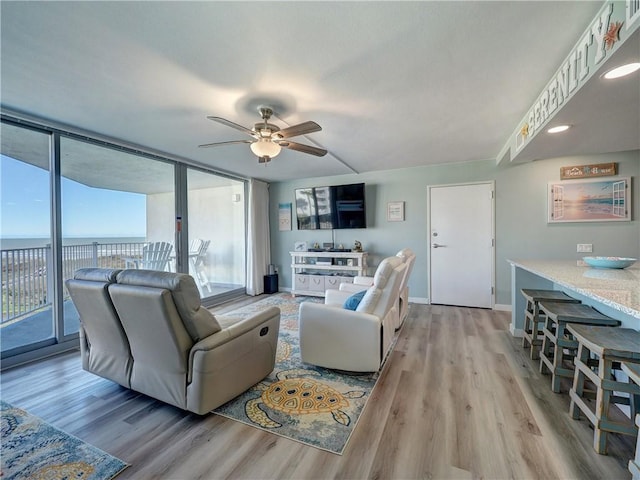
[{"x": 328, "y": 208}]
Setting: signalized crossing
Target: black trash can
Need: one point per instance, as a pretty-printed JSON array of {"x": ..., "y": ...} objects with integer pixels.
[{"x": 271, "y": 283}]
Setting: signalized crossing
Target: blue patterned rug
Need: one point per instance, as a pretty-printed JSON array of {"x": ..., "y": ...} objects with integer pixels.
[
  {"x": 33, "y": 449},
  {"x": 309, "y": 404}
]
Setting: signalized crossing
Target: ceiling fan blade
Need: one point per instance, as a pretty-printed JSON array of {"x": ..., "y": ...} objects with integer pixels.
[
  {"x": 231, "y": 124},
  {"x": 217, "y": 144},
  {"x": 300, "y": 129},
  {"x": 299, "y": 147}
]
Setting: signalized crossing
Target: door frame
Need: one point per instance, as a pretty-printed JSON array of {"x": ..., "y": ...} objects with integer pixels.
[{"x": 492, "y": 185}]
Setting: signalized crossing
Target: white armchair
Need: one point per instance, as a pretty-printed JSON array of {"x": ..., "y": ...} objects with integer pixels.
[
  {"x": 334, "y": 337},
  {"x": 362, "y": 283}
]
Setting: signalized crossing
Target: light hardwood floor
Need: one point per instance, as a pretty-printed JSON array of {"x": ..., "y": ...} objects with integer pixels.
[{"x": 458, "y": 398}]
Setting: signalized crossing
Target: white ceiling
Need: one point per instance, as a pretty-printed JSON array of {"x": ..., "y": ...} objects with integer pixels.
[{"x": 393, "y": 84}]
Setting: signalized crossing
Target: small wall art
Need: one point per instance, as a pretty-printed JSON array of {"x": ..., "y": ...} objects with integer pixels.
[
  {"x": 593, "y": 200},
  {"x": 395, "y": 212},
  {"x": 284, "y": 216}
]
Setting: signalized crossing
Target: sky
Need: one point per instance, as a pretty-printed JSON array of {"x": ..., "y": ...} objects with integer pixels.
[{"x": 86, "y": 211}]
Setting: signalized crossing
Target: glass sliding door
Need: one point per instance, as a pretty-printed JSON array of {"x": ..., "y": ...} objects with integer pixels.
[
  {"x": 70, "y": 202},
  {"x": 25, "y": 240},
  {"x": 118, "y": 211},
  {"x": 216, "y": 232}
]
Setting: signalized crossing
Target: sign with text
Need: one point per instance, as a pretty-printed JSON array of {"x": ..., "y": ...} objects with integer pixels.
[
  {"x": 584, "y": 171},
  {"x": 615, "y": 23}
]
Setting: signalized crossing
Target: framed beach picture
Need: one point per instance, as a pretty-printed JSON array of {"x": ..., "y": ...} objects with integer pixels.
[{"x": 593, "y": 200}]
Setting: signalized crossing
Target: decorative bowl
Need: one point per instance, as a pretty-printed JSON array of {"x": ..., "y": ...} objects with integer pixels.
[{"x": 609, "y": 262}]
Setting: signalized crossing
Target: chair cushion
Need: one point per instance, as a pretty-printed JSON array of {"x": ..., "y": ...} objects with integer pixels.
[
  {"x": 353, "y": 301},
  {"x": 384, "y": 271},
  {"x": 404, "y": 254},
  {"x": 370, "y": 300},
  {"x": 199, "y": 322}
]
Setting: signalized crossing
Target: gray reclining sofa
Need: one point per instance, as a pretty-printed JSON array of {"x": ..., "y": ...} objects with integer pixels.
[{"x": 147, "y": 331}]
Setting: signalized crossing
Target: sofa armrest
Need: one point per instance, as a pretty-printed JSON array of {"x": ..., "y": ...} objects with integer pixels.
[
  {"x": 233, "y": 329},
  {"x": 364, "y": 281},
  {"x": 352, "y": 287},
  {"x": 330, "y": 315},
  {"x": 231, "y": 361},
  {"x": 336, "y": 298}
]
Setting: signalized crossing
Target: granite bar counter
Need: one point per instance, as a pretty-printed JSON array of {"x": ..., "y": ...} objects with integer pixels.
[{"x": 613, "y": 292}]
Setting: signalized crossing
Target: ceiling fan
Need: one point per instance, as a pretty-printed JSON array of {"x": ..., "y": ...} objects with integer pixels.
[{"x": 269, "y": 139}]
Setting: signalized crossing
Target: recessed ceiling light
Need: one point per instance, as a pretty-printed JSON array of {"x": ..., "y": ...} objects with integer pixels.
[
  {"x": 622, "y": 70},
  {"x": 558, "y": 129}
]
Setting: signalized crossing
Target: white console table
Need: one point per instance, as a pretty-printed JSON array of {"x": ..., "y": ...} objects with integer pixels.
[{"x": 314, "y": 272}]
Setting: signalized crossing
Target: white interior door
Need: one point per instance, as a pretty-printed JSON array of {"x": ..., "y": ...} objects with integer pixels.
[{"x": 461, "y": 253}]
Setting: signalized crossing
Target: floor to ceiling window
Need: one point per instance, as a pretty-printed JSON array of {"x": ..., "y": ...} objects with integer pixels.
[
  {"x": 25, "y": 240},
  {"x": 216, "y": 233},
  {"x": 117, "y": 212},
  {"x": 70, "y": 202}
]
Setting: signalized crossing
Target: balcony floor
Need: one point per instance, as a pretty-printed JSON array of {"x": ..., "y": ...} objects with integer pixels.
[{"x": 37, "y": 327}]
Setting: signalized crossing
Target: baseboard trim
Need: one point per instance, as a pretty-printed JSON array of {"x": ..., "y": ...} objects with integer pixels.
[
  {"x": 502, "y": 307},
  {"x": 516, "y": 332},
  {"x": 420, "y": 300}
]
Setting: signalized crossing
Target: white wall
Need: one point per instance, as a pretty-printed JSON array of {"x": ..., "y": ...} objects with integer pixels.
[
  {"x": 161, "y": 218},
  {"x": 521, "y": 226},
  {"x": 215, "y": 215}
]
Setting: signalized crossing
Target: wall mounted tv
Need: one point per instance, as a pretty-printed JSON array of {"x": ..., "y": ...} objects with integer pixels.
[{"x": 327, "y": 208}]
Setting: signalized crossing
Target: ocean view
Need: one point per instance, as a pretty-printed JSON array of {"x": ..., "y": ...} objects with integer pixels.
[
  {"x": 11, "y": 243},
  {"x": 25, "y": 264}
]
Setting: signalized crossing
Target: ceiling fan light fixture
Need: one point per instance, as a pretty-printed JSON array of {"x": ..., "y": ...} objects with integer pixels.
[
  {"x": 269, "y": 139},
  {"x": 559, "y": 128},
  {"x": 622, "y": 70},
  {"x": 264, "y": 147}
]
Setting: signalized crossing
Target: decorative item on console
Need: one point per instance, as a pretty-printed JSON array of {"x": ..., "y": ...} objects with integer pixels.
[{"x": 357, "y": 246}]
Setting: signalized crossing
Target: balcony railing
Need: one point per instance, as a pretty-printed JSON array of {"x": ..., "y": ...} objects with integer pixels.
[{"x": 26, "y": 272}]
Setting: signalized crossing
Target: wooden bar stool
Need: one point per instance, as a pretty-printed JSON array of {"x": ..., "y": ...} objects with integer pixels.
[
  {"x": 633, "y": 371},
  {"x": 553, "y": 357},
  {"x": 607, "y": 345},
  {"x": 532, "y": 318}
]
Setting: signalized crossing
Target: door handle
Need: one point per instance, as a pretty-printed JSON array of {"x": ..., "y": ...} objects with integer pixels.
[{"x": 437, "y": 245}]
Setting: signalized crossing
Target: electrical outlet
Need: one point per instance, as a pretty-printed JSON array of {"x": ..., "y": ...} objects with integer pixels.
[{"x": 585, "y": 248}]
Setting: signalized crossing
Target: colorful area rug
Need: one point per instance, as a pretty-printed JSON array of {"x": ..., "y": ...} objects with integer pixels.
[
  {"x": 312, "y": 405},
  {"x": 33, "y": 449}
]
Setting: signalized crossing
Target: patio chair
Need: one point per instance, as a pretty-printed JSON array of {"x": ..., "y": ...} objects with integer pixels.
[
  {"x": 197, "y": 257},
  {"x": 155, "y": 256}
]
